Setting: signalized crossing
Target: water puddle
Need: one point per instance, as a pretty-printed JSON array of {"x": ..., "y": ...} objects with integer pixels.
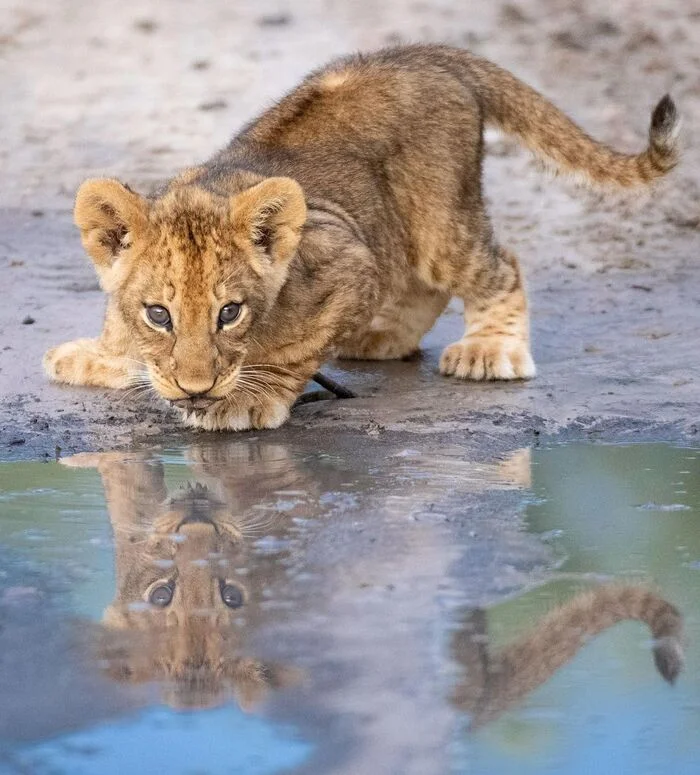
[
  {"x": 246, "y": 606},
  {"x": 630, "y": 514}
]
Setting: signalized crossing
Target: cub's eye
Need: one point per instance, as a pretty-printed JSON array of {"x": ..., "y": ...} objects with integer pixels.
[
  {"x": 159, "y": 316},
  {"x": 228, "y": 313},
  {"x": 161, "y": 595},
  {"x": 232, "y": 595}
]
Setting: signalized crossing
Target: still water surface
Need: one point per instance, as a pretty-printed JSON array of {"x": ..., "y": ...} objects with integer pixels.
[{"x": 252, "y": 607}]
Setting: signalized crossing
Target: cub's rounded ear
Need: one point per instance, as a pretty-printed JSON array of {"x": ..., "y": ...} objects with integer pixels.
[
  {"x": 271, "y": 215},
  {"x": 108, "y": 214}
]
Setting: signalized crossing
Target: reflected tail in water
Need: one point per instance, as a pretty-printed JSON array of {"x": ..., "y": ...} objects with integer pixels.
[{"x": 495, "y": 682}]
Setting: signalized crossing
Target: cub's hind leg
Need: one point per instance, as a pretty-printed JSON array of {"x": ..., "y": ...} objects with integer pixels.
[
  {"x": 496, "y": 342},
  {"x": 398, "y": 328},
  {"x": 380, "y": 345}
]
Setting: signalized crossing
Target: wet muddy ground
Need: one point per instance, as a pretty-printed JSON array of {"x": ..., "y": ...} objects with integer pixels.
[
  {"x": 380, "y": 529},
  {"x": 614, "y": 281}
]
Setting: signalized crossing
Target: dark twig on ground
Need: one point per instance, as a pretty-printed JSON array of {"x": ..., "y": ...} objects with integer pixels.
[{"x": 329, "y": 384}]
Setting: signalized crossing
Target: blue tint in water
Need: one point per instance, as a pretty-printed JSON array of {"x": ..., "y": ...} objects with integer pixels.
[
  {"x": 355, "y": 568},
  {"x": 221, "y": 741}
]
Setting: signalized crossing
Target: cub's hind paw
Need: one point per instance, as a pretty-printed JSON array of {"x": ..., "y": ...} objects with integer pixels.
[{"x": 488, "y": 358}]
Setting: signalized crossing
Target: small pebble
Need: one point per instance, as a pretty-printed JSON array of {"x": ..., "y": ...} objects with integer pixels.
[
  {"x": 275, "y": 20},
  {"x": 213, "y": 105},
  {"x": 147, "y": 26}
]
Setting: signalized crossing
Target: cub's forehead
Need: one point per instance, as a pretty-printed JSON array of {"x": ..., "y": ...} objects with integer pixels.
[
  {"x": 194, "y": 277},
  {"x": 191, "y": 247},
  {"x": 192, "y": 237},
  {"x": 191, "y": 220},
  {"x": 191, "y": 251}
]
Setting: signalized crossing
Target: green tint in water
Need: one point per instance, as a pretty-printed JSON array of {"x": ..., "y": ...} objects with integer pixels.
[{"x": 632, "y": 514}]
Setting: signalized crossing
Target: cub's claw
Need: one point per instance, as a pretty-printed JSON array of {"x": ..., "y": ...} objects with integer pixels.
[
  {"x": 271, "y": 414},
  {"x": 488, "y": 358}
]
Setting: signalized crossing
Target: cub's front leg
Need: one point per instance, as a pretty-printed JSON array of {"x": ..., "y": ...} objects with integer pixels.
[
  {"x": 101, "y": 362},
  {"x": 88, "y": 362}
]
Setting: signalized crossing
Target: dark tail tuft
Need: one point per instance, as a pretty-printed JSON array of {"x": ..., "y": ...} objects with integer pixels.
[
  {"x": 668, "y": 657},
  {"x": 663, "y": 134},
  {"x": 665, "y": 117}
]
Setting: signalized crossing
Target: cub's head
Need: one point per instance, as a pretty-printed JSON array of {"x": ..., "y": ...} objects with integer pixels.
[
  {"x": 180, "y": 610},
  {"x": 192, "y": 274}
]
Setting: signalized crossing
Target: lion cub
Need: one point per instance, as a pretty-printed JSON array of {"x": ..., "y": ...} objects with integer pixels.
[{"x": 338, "y": 224}]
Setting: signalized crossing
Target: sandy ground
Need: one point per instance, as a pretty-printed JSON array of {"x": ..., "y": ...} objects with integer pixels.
[{"x": 140, "y": 89}]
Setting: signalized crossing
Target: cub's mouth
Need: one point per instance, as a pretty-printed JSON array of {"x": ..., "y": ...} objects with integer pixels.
[
  {"x": 198, "y": 518},
  {"x": 197, "y": 404}
]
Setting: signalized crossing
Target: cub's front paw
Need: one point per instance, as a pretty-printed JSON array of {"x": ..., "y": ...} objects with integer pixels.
[
  {"x": 82, "y": 363},
  {"x": 60, "y": 362},
  {"x": 71, "y": 362},
  {"x": 268, "y": 415},
  {"x": 488, "y": 357}
]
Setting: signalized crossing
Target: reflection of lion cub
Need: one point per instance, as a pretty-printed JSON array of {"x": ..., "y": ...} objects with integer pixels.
[
  {"x": 340, "y": 222},
  {"x": 494, "y": 682},
  {"x": 178, "y": 591}
]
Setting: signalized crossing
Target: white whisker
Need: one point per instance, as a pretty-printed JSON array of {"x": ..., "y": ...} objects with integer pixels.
[
  {"x": 265, "y": 366},
  {"x": 134, "y": 392},
  {"x": 254, "y": 389},
  {"x": 267, "y": 379},
  {"x": 132, "y": 360},
  {"x": 246, "y": 390}
]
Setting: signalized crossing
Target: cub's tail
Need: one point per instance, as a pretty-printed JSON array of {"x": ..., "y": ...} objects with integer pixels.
[
  {"x": 519, "y": 110},
  {"x": 560, "y": 634},
  {"x": 497, "y": 681}
]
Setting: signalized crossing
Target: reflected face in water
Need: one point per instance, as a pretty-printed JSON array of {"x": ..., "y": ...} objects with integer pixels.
[
  {"x": 180, "y": 607},
  {"x": 183, "y": 567}
]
